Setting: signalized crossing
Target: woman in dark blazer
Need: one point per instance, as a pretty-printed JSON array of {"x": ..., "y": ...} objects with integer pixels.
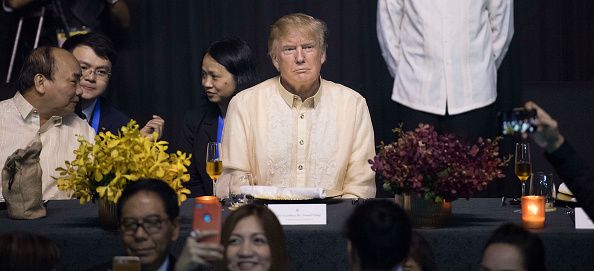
[{"x": 228, "y": 66}]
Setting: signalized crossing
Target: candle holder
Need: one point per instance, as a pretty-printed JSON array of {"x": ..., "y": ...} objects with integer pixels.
[
  {"x": 533, "y": 204},
  {"x": 533, "y": 212}
]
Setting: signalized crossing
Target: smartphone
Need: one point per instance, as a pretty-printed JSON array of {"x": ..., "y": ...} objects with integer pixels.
[
  {"x": 207, "y": 216},
  {"x": 517, "y": 121},
  {"x": 126, "y": 263}
]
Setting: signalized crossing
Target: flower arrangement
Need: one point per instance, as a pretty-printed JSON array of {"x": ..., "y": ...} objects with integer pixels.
[
  {"x": 437, "y": 166},
  {"x": 103, "y": 169}
]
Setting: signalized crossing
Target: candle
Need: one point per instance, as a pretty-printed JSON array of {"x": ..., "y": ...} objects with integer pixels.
[{"x": 533, "y": 212}]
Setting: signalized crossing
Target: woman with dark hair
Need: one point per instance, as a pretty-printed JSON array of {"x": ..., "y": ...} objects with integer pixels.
[
  {"x": 27, "y": 251},
  {"x": 513, "y": 248},
  {"x": 251, "y": 239},
  {"x": 228, "y": 66}
]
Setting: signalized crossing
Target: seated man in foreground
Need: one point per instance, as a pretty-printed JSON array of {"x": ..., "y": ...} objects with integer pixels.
[
  {"x": 149, "y": 223},
  {"x": 379, "y": 236},
  {"x": 44, "y": 104},
  {"x": 297, "y": 129}
]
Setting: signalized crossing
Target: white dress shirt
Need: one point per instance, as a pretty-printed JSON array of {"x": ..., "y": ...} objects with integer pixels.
[
  {"x": 444, "y": 54},
  {"x": 324, "y": 141},
  {"x": 19, "y": 122}
]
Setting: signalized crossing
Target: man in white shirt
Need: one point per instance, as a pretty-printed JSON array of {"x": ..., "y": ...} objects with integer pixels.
[
  {"x": 444, "y": 57},
  {"x": 48, "y": 93},
  {"x": 297, "y": 129}
]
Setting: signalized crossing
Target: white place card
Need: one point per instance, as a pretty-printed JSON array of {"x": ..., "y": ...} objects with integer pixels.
[
  {"x": 582, "y": 221},
  {"x": 299, "y": 214}
]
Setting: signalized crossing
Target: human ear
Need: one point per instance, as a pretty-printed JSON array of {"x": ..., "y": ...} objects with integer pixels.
[{"x": 40, "y": 82}]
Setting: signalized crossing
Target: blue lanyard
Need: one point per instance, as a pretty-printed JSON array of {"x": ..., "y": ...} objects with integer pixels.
[
  {"x": 95, "y": 116},
  {"x": 220, "y": 129}
]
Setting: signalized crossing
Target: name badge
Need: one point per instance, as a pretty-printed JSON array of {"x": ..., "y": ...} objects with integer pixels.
[
  {"x": 581, "y": 220},
  {"x": 299, "y": 214}
]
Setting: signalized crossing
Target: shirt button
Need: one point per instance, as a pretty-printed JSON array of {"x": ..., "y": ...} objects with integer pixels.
[
  {"x": 301, "y": 142},
  {"x": 300, "y": 167},
  {"x": 302, "y": 116}
]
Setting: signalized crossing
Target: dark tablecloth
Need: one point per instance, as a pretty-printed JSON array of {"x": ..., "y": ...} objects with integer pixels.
[{"x": 458, "y": 246}]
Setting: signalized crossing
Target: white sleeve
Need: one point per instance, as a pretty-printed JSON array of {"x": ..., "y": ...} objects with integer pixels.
[
  {"x": 389, "y": 19},
  {"x": 501, "y": 19}
]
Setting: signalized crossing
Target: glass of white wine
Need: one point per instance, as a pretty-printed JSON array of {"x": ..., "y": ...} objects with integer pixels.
[
  {"x": 214, "y": 163},
  {"x": 522, "y": 165}
]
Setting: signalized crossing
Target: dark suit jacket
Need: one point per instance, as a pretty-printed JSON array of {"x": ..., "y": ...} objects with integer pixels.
[
  {"x": 200, "y": 127},
  {"x": 111, "y": 119},
  {"x": 578, "y": 176},
  {"x": 108, "y": 265}
]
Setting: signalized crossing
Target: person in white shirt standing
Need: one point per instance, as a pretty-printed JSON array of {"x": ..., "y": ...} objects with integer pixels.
[{"x": 444, "y": 57}]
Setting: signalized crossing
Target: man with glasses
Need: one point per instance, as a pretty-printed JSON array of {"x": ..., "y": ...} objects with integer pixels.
[
  {"x": 149, "y": 223},
  {"x": 297, "y": 129},
  {"x": 96, "y": 54}
]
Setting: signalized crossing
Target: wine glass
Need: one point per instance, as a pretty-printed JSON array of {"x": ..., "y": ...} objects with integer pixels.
[
  {"x": 522, "y": 165},
  {"x": 214, "y": 163}
]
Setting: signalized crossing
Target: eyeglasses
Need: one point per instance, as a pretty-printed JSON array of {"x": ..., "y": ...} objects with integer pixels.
[
  {"x": 102, "y": 73},
  {"x": 150, "y": 224}
]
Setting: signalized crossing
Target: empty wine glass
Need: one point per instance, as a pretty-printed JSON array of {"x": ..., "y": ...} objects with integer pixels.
[{"x": 238, "y": 180}]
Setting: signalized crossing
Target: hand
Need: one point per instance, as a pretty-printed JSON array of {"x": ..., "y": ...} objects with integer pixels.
[
  {"x": 547, "y": 134},
  {"x": 196, "y": 253},
  {"x": 154, "y": 125}
]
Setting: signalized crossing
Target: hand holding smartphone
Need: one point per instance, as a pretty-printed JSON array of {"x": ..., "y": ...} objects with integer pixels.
[{"x": 207, "y": 217}]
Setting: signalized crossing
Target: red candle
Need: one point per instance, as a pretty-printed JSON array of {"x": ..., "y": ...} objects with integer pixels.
[{"x": 533, "y": 212}]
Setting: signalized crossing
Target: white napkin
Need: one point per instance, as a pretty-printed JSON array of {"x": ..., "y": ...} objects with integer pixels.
[
  {"x": 565, "y": 194},
  {"x": 283, "y": 193}
]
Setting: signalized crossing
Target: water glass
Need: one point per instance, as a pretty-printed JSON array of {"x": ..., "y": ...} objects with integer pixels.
[
  {"x": 547, "y": 183},
  {"x": 236, "y": 181}
]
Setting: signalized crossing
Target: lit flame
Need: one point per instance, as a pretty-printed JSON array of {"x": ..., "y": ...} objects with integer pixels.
[{"x": 533, "y": 209}]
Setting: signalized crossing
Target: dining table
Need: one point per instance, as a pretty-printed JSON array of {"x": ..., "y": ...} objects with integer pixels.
[{"x": 458, "y": 245}]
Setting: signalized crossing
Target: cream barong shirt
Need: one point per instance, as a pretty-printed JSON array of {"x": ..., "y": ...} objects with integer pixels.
[
  {"x": 19, "y": 123},
  {"x": 324, "y": 141}
]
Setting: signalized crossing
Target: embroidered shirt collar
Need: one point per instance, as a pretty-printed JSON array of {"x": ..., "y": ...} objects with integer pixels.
[
  {"x": 23, "y": 106},
  {"x": 27, "y": 110},
  {"x": 293, "y": 100}
]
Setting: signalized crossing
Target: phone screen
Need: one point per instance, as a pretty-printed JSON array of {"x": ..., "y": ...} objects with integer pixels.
[
  {"x": 126, "y": 263},
  {"x": 517, "y": 121}
]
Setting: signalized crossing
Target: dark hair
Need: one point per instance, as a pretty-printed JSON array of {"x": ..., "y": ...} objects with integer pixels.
[
  {"x": 27, "y": 252},
  {"x": 379, "y": 232},
  {"x": 160, "y": 188},
  {"x": 272, "y": 229},
  {"x": 421, "y": 253},
  {"x": 236, "y": 56},
  {"x": 40, "y": 61},
  {"x": 529, "y": 245},
  {"x": 101, "y": 45}
]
